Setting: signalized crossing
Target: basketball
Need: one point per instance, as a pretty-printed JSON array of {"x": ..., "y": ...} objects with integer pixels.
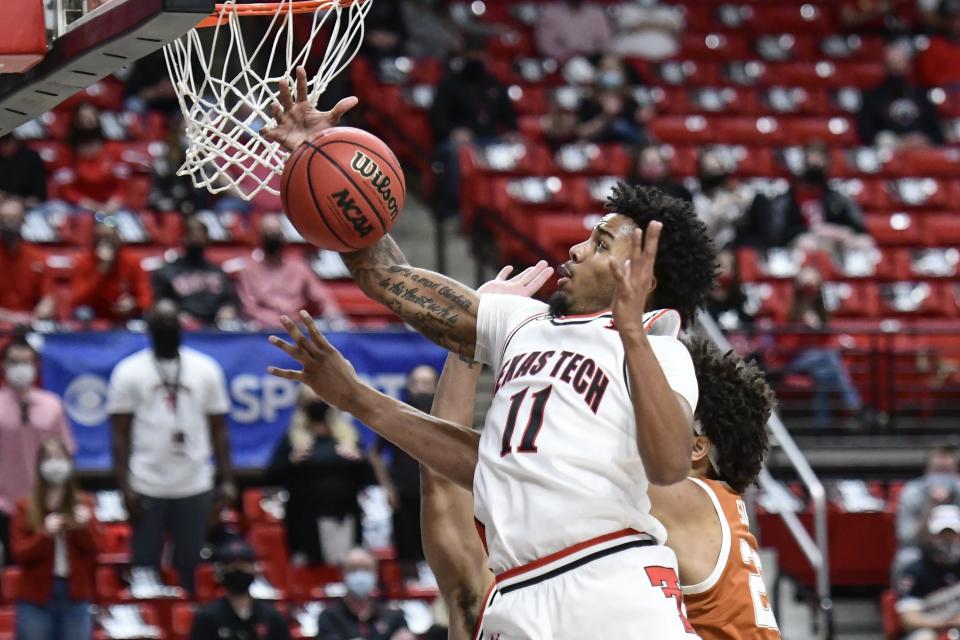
[{"x": 343, "y": 189}]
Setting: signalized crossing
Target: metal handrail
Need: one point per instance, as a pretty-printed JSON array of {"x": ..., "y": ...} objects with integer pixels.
[{"x": 814, "y": 549}]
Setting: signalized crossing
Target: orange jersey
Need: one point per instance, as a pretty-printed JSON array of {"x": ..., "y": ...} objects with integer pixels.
[{"x": 732, "y": 603}]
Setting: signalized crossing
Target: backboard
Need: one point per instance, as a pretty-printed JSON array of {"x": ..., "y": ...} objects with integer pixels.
[{"x": 85, "y": 46}]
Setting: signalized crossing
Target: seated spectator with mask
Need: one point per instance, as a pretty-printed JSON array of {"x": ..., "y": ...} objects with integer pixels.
[
  {"x": 95, "y": 178},
  {"x": 201, "y": 290},
  {"x": 237, "y": 616},
  {"x": 610, "y": 113},
  {"x": 323, "y": 478},
  {"x": 270, "y": 285},
  {"x": 359, "y": 614},
  {"x": 23, "y": 296},
  {"x": 721, "y": 201},
  {"x": 928, "y": 604},
  {"x": 55, "y": 539},
  {"x": 939, "y": 484},
  {"x": 897, "y": 112},
  {"x": 107, "y": 280},
  {"x": 811, "y": 215}
]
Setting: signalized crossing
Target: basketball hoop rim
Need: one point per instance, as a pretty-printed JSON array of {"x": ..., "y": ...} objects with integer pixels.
[{"x": 219, "y": 16}]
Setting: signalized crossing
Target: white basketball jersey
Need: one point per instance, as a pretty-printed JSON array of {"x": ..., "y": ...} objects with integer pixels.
[{"x": 558, "y": 460}]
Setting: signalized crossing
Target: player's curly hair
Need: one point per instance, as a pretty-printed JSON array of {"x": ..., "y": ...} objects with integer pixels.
[
  {"x": 686, "y": 262},
  {"x": 735, "y": 403}
]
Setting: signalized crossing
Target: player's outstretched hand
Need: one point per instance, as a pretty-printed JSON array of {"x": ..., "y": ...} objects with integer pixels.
[
  {"x": 299, "y": 121},
  {"x": 526, "y": 283},
  {"x": 634, "y": 279},
  {"x": 325, "y": 370}
]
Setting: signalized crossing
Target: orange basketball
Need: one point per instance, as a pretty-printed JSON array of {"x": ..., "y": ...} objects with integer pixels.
[{"x": 343, "y": 189}]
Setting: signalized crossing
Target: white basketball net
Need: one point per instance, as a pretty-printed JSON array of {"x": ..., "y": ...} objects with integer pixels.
[{"x": 226, "y": 92}]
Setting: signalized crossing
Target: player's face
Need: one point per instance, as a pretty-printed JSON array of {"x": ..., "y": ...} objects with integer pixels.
[{"x": 586, "y": 284}]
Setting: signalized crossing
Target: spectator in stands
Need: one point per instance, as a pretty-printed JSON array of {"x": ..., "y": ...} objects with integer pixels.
[
  {"x": 940, "y": 484},
  {"x": 727, "y": 300},
  {"x": 108, "y": 281},
  {"x": 470, "y": 107},
  {"x": 201, "y": 290},
  {"x": 653, "y": 170},
  {"x": 649, "y": 30},
  {"x": 431, "y": 32},
  {"x": 95, "y": 178},
  {"x": 23, "y": 297},
  {"x": 271, "y": 285},
  {"x": 236, "y": 615},
  {"x": 55, "y": 539},
  {"x": 28, "y": 417},
  {"x": 322, "y": 478},
  {"x": 926, "y": 590},
  {"x": 936, "y": 64},
  {"x": 811, "y": 215},
  {"x": 610, "y": 113},
  {"x": 170, "y": 192},
  {"x": 401, "y": 478},
  {"x": 22, "y": 172},
  {"x": 385, "y": 32},
  {"x": 816, "y": 354},
  {"x": 721, "y": 202},
  {"x": 359, "y": 614},
  {"x": 897, "y": 112},
  {"x": 572, "y": 28},
  {"x": 168, "y": 407}
]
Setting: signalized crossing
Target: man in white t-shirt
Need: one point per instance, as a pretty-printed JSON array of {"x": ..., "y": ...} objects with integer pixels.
[{"x": 168, "y": 407}]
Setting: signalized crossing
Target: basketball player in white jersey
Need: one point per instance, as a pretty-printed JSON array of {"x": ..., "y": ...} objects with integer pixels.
[
  {"x": 705, "y": 520},
  {"x": 589, "y": 409}
]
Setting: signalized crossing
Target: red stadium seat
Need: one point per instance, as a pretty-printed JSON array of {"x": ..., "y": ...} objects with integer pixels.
[
  {"x": 205, "y": 583},
  {"x": 852, "y": 299},
  {"x": 182, "y": 620},
  {"x": 942, "y": 229},
  {"x": 833, "y": 131},
  {"x": 269, "y": 542},
  {"x": 307, "y": 583},
  {"x": 891, "y": 621},
  {"x": 920, "y": 299},
  {"x": 10, "y": 584},
  {"x": 729, "y": 45},
  {"x": 787, "y": 18},
  {"x": 7, "y": 622},
  {"x": 900, "y": 228},
  {"x": 115, "y": 543}
]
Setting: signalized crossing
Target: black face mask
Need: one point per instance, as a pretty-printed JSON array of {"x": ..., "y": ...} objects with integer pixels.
[
  {"x": 10, "y": 236},
  {"x": 237, "y": 582},
  {"x": 713, "y": 180},
  {"x": 421, "y": 401},
  {"x": 815, "y": 175},
  {"x": 271, "y": 245},
  {"x": 194, "y": 252},
  {"x": 317, "y": 411},
  {"x": 165, "y": 333},
  {"x": 473, "y": 70}
]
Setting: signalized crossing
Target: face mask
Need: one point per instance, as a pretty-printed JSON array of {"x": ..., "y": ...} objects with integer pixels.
[
  {"x": 473, "y": 70},
  {"x": 237, "y": 581},
  {"x": 21, "y": 375},
  {"x": 945, "y": 554},
  {"x": 194, "y": 252},
  {"x": 10, "y": 236},
  {"x": 711, "y": 180},
  {"x": 165, "y": 334},
  {"x": 56, "y": 470},
  {"x": 815, "y": 175},
  {"x": 421, "y": 401},
  {"x": 610, "y": 79},
  {"x": 271, "y": 245},
  {"x": 317, "y": 411},
  {"x": 360, "y": 583}
]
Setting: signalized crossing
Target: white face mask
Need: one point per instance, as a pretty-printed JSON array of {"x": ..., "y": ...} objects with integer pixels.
[
  {"x": 21, "y": 375},
  {"x": 56, "y": 470}
]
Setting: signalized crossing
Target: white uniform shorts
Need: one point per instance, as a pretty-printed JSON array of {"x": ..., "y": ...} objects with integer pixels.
[{"x": 621, "y": 586}]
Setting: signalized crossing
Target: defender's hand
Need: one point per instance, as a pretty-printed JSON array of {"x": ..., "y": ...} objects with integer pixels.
[
  {"x": 524, "y": 284},
  {"x": 634, "y": 279},
  {"x": 325, "y": 370},
  {"x": 299, "y": 121}
]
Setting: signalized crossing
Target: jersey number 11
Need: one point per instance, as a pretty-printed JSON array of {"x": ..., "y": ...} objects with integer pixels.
[{"x": 528, "y": 443}]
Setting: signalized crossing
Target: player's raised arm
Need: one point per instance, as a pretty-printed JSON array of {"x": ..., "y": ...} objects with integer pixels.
[
  {"x": 450, "y": 542},
  {"x": 664, "y": 419},
  {"x": 449, "y": 448}
]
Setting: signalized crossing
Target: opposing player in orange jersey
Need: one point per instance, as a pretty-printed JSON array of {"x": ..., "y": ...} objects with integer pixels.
[{"x": 704, "y": 515}]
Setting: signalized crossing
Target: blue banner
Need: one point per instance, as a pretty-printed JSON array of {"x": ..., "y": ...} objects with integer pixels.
[{"x": 77, "y": 366}]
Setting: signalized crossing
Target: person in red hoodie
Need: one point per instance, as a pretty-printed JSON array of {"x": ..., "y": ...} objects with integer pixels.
[
  {"x": 95, "y": 178},
  {"x": 108, "y": 279},
  {"x": 54, "y": 538}
]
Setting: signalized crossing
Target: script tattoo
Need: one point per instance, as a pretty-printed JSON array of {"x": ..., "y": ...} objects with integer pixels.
[{"x": 440, "y": 309}]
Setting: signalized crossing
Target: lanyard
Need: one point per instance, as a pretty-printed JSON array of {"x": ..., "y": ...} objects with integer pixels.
[{"x": 172, "y": 387}]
